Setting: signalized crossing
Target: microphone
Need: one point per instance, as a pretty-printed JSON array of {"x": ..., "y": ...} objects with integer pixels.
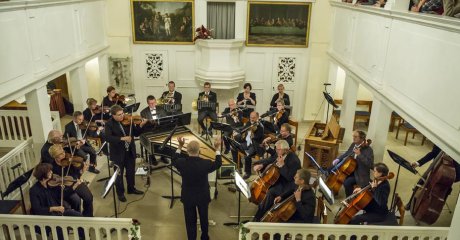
[
  {"x": 132, "y": 95},
  {"x": 16, "y": 166},
  {"x": 326, "y": 84}
]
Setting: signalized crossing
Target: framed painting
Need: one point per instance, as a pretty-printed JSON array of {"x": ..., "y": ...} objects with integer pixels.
[
  {"x": 163, "y": 22},
  {"x": 278, "y": 24}
]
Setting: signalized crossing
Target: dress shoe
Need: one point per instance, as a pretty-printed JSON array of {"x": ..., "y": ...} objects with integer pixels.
[
  {"x": 135, "y": 191},
  {"x": 226, "y": 151},
  {"x": 164, "y": 160},
  {"x": 122, "y": 198},
  {"x": 246, "y": 176},
  {"x": 93, "y": 170}
]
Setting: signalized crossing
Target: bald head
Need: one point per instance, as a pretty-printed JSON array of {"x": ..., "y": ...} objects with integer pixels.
[
  {"x": 54, "y": 136},
  {"x": 193, "y": 148},
  {"x": 254, "y": 117}
]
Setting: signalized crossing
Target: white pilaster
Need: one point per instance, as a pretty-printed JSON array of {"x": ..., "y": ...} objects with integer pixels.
[
  {"x": 454, "y": 230},
  {"x": 78, "y": 87},
  {"x": 103, "y": 74},
  {"x": 378, "y": 128},
  {"x": 347, "y": 116},
  {"x": 38, "y": 109}
]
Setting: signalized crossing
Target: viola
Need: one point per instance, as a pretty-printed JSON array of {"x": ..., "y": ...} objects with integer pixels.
[
  {"x": 263, "y": 182},
  {"x": 430, "y": 195},
  {"x": 75, "y": 161},
  {"x": 71, "y": 141},
  {"x": 99, "y": 109},
  {"x": 57, "y": 180},
  {"x": 92, "y": 126},
  {"x": 356, "y": 202},
  {"x": 136, "y": 120},
  {"x": 343, "y": 169},
  {"x": 118, "y": 98}
]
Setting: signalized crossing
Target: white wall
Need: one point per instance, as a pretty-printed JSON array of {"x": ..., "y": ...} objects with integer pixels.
[
  {"x": 363, "y": 92},
  {"x": 93, "y": 78}
]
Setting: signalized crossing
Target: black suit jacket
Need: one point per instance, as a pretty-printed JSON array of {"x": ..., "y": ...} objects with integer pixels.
[
  {"x": 87, "y": 116},
  {"x": 145, "y": 113},
  {"x": 41, "y": 199},
  {"x": 194, "y": 172},
  {"x": 212, "y": 97},
  {"x": 113, "y": 134},
  {"x": 288, "y": 171},
  {"x": 229, "y": 119},
  {"x": 305, "y": 208},
  {"x": 72, "y": 131},
  {"x": 177, "y": 96},
  {"x": 276, "y": 96},
  {"x": 45, "y": 155},
  {"x": 283, "y": 119},
  {"x": 241, "y": 97},
  {"x": 379, "y": 200}
]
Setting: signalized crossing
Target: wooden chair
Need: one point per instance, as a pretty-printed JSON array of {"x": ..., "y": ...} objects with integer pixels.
[
  {"x": 394, "y": 118},
  {"x": 296, "y": 131},
  {"x": 409, "y": 129},
  {"x": 359, "y": 114}
]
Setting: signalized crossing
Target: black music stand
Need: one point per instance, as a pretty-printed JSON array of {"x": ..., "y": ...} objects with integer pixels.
[
  {"x": 17, "y": 183},
  {"x": 109, "y": 186},
  {"x": 329, "y": 100},
  {"x": 242, "y": 187},
  {"x": 401, "y": 162},
  {"x": 212, "y": 107},
  {"x": 131, "y": 108}
]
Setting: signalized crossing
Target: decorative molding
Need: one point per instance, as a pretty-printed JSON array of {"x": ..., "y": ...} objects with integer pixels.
[
  {"x": 286, "y": 69},
  {"x": 155, "y": 65}
]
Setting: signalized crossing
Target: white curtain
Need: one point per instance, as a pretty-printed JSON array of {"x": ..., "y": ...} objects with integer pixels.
[{"x": 221, "y": 18}]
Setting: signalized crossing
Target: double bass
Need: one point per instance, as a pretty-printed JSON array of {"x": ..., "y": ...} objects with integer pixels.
[
  {"x": 263, "y": 182},
  {"x": 343, "y": 169},
  {"x": 432, "y": 190},
  {"x": 356, "y": 202}
]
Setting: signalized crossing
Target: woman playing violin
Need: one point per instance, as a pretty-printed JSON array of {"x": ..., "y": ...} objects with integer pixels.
[
  {"x": 377, "y": 210},
  {"x": 63, "y": 166},
  {"x": 94, "y": 112},
  {"x": 281, "y": 117},
  {"x": 112, "y": 98},
  {"x": 364, "y": 156}
]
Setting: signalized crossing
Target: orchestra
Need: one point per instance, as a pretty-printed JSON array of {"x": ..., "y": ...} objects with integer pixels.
[{"x": 289, "y": 196}]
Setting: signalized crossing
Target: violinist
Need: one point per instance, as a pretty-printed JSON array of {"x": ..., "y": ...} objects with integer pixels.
[
  {"x": 285, "y": 134},
  {"x": 233, "y": 117},
  {"x": 305, "y": 201},
  {"x": 364, "y": 156},
  {"x": 251, "y": 143},
  {"x": 280, "y": 96},
  {"x": 152, "y": 112},
  {"x": 247, "y": 98},
  {"x": 94, "y": 112},
  {"x": 62, "y": 166},
  {"x": 288, "y": 164},
  {"x": 377, "y": 210},
  {"x": 54, "y": 137},
  {"x": 122, "y": 149},
  {"x": 207, "y": 96},
  {"x": 83, "y": 149},
  {"x": 172, "y": 96},
  {"x": 281, "y": 117},
  {"x": 113, "y": 98}
]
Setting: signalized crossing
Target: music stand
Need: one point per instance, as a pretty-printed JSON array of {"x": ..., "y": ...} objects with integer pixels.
[
  {"x": 329, "y": 100},
  {"x": 312, "y": 159},
  {"x": 242, "y": 187},
  {"x": 222, "y": 127},
  {"x": 109, "y": 186},
  {"x": 17, "y": 183},
  {"x": 401, "y": 162},
  {"x": 131, "y": 108},
  {"x": 169, "y": 138}
]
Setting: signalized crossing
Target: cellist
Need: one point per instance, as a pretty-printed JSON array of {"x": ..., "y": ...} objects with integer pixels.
[
  {"x": 377, "y": 210},
  {"x": 364, "y": 156},
  {"x": 288, "y": 164}
]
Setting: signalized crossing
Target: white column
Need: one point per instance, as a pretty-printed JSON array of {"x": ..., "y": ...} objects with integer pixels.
[
  {"x": 332, "y": 79},
  {"x": 78, "y": 87},
  {"x": 454, "y": 230},
  {"x": 347, "y": 115},
  {"x": 378, "y": 128},
  {"x": 104, "y": 77},
  {"x": 38, "y": 109}
]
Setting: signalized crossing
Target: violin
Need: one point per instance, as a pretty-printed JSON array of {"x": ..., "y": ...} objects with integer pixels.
[
  {"x": 263, "y": 182},
  {"x": 71, "y": 141},
  {"x": 57, "y": 180},
  {"x": 343, "y": 169},
  {"x": 75, "y": 161},
  {"x": 356, "y": 202},
  {"x": 136, "y": 120},
  {"x": 99, "y": 109},
  {"x": 279, "y": 114},
  {"x": 118, "y": 98},
  {"x": 92, "y": 126}
]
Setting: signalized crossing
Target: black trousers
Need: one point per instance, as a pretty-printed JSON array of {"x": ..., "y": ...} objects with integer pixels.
[
  {"x": 128, "y": 165},
  {"x": 190, "y": 211},
  {"x": 86, "y": 150},
  {"x": 74, "y": 198},
  {"x": 348, "y": 184},
  {"x": 206, "y": 113},
  {"x": 368, "y": 218}
]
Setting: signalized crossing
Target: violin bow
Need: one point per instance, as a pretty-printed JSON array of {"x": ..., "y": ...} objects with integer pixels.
[
  {"x": 87, "y": 127},
  {"x": 72, "y": 152},
  {"x": 62, "y": 188}
]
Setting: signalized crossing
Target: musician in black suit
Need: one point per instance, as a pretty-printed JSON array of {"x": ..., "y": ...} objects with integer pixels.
[
  {"x": 251, "y": 143},
  {"x": 280, "y": 96},
  {"x": 153, "y": 113},
  {"x": 432, "y": 155},
  {"x": 305, "y": 200},
  {"x": 285, "y": 134},
  {"x": 364, "y": 155},
  {"x": 233, "y": 117},
  {"x": 207, "y": 96},
  {"x": 83, "y": 149},
  {"x": 172, "y": 96},
  {"x": 195, "y": 186},
  {"x": 54, "y": 137},
  {"x": 377, "y": 210},
  {"x": 247, "y": 98},
  {"x": 122, "y": 150},
  {"x": 288, "y": 164},
  {"x": 280, "y": 117},
  {"x": 112, "y": 98},
  {"x": 94, "y": 113}
]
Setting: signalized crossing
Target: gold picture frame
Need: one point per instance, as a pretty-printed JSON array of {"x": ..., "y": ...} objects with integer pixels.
[
  {"x": 163, "y": 21},
  {"x": 278, "y": 24}
]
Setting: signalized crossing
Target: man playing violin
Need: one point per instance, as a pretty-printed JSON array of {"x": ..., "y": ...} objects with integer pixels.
[
  {"x": 54, "y": 137},
  {"x": 74, "y": 167},
  {"x": 377, "y": 210},
  {"x": 233, "y": 117},
  {"x": 364, "y": 156},
  {"x": 210, "y": 97},
  {"x": 288, "y": 164},
  {"x": 112, "y": 98},
  {"x": 83, "y": 149},
  {"x": 172, "y": 96},
  {"x": 285, "y": 134},
  {"x": 123, "y": 150}
]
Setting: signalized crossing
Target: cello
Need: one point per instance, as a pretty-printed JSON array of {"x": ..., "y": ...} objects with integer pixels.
[
  {"x": 432, "y": 190},
  {"x": 263, "y": 182},
  {"x": 283, "y": 211},
  {"x": 343, "y": 169},
  {"x": 356, "y": 202}
]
